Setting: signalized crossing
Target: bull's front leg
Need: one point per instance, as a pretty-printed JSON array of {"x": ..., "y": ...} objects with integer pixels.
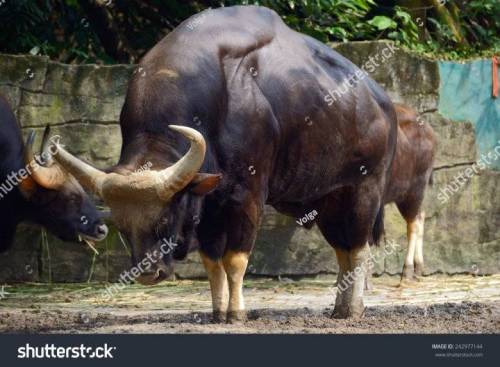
[
  {"x": 352, "y": 285},
  {"x": 235, "y": 264},
  {"x": 218, "y": 287}
]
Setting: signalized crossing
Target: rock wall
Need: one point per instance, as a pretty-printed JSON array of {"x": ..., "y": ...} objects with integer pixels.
[{"x": 83, "y": 103}]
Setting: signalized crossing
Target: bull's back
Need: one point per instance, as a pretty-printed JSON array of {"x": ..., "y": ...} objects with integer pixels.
[
  {"x": 283, "y": 77},
  {"x": 249, "y": 78},
  {"x": 323, "y": 146}
]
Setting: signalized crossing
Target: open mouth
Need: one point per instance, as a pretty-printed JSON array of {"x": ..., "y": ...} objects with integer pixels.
[
  {"x": 90, "y": 240},
  {"x": 84, "y": 236}
]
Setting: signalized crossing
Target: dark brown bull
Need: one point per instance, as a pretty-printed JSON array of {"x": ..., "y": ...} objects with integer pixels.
[
  {"x": 43, "y": 194},
  {"x": 251, "y": 96}
]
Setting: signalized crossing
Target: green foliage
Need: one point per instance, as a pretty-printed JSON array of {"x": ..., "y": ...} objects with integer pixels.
[
  {"x": 47, "y": 27},
  {"x": 326, "y": 20},
  {"x": 86, "y": 31},
  {"x": 382, "y": 22},
  {"x": 477, "y": 20}
]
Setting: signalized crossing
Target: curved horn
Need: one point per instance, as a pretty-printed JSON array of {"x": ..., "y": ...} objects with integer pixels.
[
  {"x": 152, "y": 184},
  {"x": 180, "y": 174},
  {"x": 89, "y": 177},
  {"x": 44, "y": 149},
  {"x": 48, "y": 177}
]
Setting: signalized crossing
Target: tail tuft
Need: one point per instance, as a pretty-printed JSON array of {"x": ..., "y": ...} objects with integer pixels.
[{"x": 378, "y": 227}]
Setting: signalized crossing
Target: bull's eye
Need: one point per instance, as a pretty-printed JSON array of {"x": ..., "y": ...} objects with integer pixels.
[{"x": 75, "y": 199}]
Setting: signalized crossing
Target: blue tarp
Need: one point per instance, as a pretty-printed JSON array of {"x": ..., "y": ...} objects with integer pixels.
[{"x": 466, "y": 95}]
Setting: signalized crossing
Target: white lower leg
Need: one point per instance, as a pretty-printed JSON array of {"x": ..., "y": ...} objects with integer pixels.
[
  {"x": 235, "y": 264},
  {"x": 350, "y": 302},
  {"x": 411, "y": 233},
  {"x": 419, "y": 249},
  {"x": 218, "y": 286},
  {"x": 359, "y": 264},
  {"x": 369, "y": 271}
]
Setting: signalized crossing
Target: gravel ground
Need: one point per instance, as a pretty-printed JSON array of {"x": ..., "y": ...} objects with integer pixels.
[{"x": 436, "y": 304}]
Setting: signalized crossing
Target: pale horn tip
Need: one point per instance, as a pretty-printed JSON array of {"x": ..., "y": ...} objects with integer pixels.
[{"x": 188, "y": 132}]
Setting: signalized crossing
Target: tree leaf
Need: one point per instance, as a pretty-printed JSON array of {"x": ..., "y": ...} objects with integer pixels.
[{"x": 382, "y": 22}]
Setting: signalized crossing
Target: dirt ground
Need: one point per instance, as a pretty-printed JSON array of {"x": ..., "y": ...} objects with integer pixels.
[{"x": 436, "y": 304}]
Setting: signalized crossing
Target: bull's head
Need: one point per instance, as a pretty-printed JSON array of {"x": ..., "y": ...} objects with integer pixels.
[
  {"x": 57, "y": 201},
  {"x": 139, "y": 202}
]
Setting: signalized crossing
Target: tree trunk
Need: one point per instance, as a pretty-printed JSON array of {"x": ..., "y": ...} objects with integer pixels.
[{"x": 446, "y": 17}]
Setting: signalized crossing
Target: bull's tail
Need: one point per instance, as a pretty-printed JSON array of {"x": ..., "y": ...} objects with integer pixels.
[
  {"x": 431, "y": 178},
  {"x": 378, "y": 226}
]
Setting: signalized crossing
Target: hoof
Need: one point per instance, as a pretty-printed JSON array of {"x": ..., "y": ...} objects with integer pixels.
[
  {"x": 418, "y": 279},
  {"x": 368, "y": 285},
  {"x": 408, "y": 273},
  {"x": 419, "y": 270},
  {"x": 340, "y": 312},
  {"x": 236, "y": 317},
  {"x": 218, "y": 317},
  {"x": 344, "y": 312}
]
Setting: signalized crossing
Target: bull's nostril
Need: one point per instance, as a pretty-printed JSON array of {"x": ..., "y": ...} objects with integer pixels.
[{"x": 102, "y": 230}]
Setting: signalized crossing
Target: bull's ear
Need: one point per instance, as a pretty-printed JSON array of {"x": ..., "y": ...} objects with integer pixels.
[{"x": 204, "y": 183}]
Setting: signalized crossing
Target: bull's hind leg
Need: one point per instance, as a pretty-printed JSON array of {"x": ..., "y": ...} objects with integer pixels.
[
  {"x": 342, "y": 286},
  {"x": 235, "y": 264},
  {"x": 350, "y": 290},
  {"x": 218, "y": 286},
  {"x": 359, "y": 266},
  {"x": 369, "y": 273},
  {"x": 419, "y": 249},
  {"x": 346, "y": 222},
  {"x": 411, "y": 235},
  {"x": 414, "y": 260}
]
